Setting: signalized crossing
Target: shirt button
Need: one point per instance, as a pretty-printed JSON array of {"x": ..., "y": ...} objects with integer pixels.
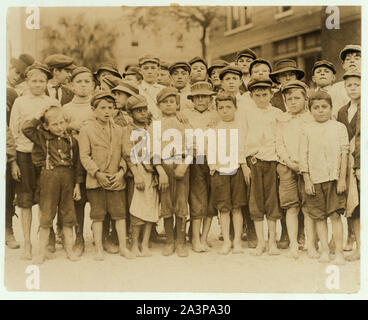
[
  {"x": 62, "y": 160},
  {"x": 59, "y": 150},
  {"x": 59, "y": 138}
]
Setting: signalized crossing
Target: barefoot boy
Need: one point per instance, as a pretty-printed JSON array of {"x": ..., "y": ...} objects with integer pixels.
[
  {"x": 101, "y": 153},
  {"x": 60, "y": 176},
  {"x": 324, "y": 147}
]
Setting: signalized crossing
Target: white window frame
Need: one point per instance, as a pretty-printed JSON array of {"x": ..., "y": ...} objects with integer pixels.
[
  {"x": 283, "y": 14},
  {"x": 242, "y": 26}
]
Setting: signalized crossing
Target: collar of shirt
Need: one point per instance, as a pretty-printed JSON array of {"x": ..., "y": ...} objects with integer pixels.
[{"x": 145, "y": 85}]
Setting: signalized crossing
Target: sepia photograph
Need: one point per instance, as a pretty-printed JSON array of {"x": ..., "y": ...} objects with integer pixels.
[{"x": 182, "y": 149}]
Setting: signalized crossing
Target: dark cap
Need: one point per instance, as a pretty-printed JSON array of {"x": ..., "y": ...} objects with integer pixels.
[
  {"x": 295, "y": 84},
  {"x": 166, "y": 92},
  {"x": 261, "y": 61},
  {"x": 108, "y": 66},
  {"x": 111, "y": 80},
  {"x": 217, "y": 64},
  {"x": 349, "y": 49},
  {"x": 132, "y": 71},
  {"x": 136, "y": 101},
  {"x": 60, "y": 61},
  {"x": 324, "y": 63},
  {"x": 201, "y": 88},
  {"x": 197, "y": 59},
  {"x": 126, "y": 86},
  {"x": 246, "y": 53},
  {"x": 41, "y": 67},
  {"x": 230, "y": 69},
  {"x": 21, "y": 64},
  {"x": 101, "y": 95},
  {"x": 252, "y": 84},
  {"x": 354, "y": 72},
  {"x": 164, "y": 65},
  {"x": 285, "y": 65},
  {"x": 179, "y": 64},
  {"x": 79, "y": 70},
  {"x": 148, "y": 58}
]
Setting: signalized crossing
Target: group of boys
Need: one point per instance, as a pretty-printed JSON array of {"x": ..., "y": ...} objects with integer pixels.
[{"x": 75, "y": 136}]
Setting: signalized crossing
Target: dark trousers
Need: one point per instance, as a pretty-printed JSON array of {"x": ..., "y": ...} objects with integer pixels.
[{"x": 9, "y": 195}]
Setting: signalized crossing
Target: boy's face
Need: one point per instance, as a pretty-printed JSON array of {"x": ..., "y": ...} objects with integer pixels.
[
  {"x": 352, "y": 86},
  {"x": 104, "y": 110},
  {"x": 243, "y": 63},
  {"x": 261, "y": 96},
  {"x": 285, "y": 77},
  {"x": 198, "y": 72},
  {"x": 37, "y": 82},
  {"x": 140, "y": 115},
  {"x": 201, "y": 102},
  {"x": 180, "y": 78},
  {"x": 323, "y": 77},
  {"x": 164, "y": 77},
  {"x": 231, "y": 82},
  {"x": 226, "y": 110},
  {"x": 215, "y": 77},
  {"x": 150, "y": 72},
  {"x": 168, "y": 106},
  {"x": 295, "y": 100},
  {"x": 260, "y": 71},
  {"x": 83, "y": 84},
  {"x": 14, "y": 76},
  {"x": 321, "y": 110},
  {"x": 120, "y": 99},
  {"x": 352, "y": 60},
  {"x": 55, "y": 122},
  {"x": 62, "y": 76}
]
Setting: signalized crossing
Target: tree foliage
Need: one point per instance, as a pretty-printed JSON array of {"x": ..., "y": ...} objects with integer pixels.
[{"x": 89, "y": 44}]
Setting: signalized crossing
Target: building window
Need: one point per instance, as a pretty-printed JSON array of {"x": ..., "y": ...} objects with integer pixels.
[
  {"x": 283, "y": 11},
  {"x": 286, "y": 46},
  {"x": 312, "y": 40},
  {"x": 237, "y": 18}
]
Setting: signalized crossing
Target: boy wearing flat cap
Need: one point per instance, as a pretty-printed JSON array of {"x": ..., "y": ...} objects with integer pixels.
[
  {"x": 149, "y": 88},
  {"x": 106, "y": 70},
  {"x": 60, "y": 67},
  {"x": 243, "y": 61},
  {"x": 101, "y": 153},
  {"x": 198, "y": 69},
  {"x": 348, "y": 115},
  {"x": 16, "y": 75},
  {"x": 133, "y": 73},
  {"x": 213, "y": 73},
  {"x": 164, "y": 74},
  {"x": 179, "y": 74},
  {"x": 262, "y": 160}
]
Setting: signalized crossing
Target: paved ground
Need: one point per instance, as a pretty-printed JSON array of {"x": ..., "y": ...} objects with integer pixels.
[{"x": 200, "y": 272}]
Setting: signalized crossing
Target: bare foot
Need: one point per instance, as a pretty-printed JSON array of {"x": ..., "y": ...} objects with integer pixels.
[
  {"x": 354, "y": 256},
  {"x": 73, "y": 257},
  {"x": 127, "y": 254},
  {"x": 146, "y": 252},
  {"x": 99, "y": 256},
  {"x": 260, "y": 249},
  {"x": 49, "y": 255},
  {"x": 325, "y": 257},
  {"x": 39, "y": 259},
  {"x": 225, "y": 249},
  {"x": 206, "y": 246},
  {"x": 294, "y": 252},
  {"x": 273, "y": 251},
  {"x": 339, "y": 259},
  {"x": 313, "y": 254},
  {"x": 27, "y": 253},
  {"x": 237, "y": 247},
  {"x": 135, "y": 250},
  {"x": 197, "y": 247}
]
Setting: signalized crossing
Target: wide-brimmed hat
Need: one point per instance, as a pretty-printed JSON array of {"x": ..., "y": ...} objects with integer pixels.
[
  {"x": 126, "y": 86},
  {"x": 348, "y": 49},
  {"x": 179, "y": 64},
  {"x": 261, "y": 61},
  {"x": 285, "y": 65},
  {"x": 136, "y": 101},
  {"x": 39, "y": 66},
  {"x": 219, "y": 64},
  {"x": 22, "y": 63},
  {"x": 107, "y": 66},
  {"x": 201, "y": 88},
  {"x": 230, "y": 69}
]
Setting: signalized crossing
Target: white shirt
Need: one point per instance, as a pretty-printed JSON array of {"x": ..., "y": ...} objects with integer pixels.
[
  {"x": 52, "y": 91},
  {"x": 352, "y": 110},
  {"x": 339, "y": 97},
  {"x": 78, "y": 114},
  {"x": 150, "y": 91}
]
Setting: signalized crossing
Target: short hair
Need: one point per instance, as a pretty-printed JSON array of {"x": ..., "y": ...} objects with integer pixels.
[
  {"x": 225, "y": 96},
  {"x": 44, "y": 118},
  {"x": 286, "y": 91},
  {"x": 319, "y": 95},
  {"x": 97, "y": 101}
]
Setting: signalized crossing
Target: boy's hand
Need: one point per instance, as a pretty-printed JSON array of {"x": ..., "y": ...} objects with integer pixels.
[
  {"x": 182, "y": 118},
  {"x": 341, "y": 186},
  {"x": 76, "y": 193},
  {"x": 180, "y": 171},
  {"x": 246, "y": 173},
  {"x": 163, "y": 180},
  {"x": 357, "y": 174},
  {"x": 116, "y": 179},
  {"x": 212, "y": 172},
  {"x": 139, "y": 182},
  {"x": 15, "y": 171},
  {"x": 103, "y": 179},
  {"x": 309, "y": 188},
  {"x": 293, "y": 166}
]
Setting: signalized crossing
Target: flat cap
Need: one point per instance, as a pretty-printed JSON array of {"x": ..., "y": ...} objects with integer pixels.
[
  {"x": 126, "y": 86},
  {"x": 352, "y": 73},
  {"x": 110, "y": 67},
  {"x": 179, "y": 64},
  {"x": 259, "y": 60},
  {"x": 166, "y": 92},
  {"x": 41, "y": 67},
  {"x": 348, "y": 49},
  {"x": 246, "y": 53},
  {"x": 136, "y": 101},
  {"x": 164, "y": 65},
  {"x": 60, "y": 61},
  {"x": 101, "y": 95},
  {"x": 219, "y": 64},
  {"x": 148, "y": 58},
  {"x": 324, "y": 63},
  {"x": 259, "y": 84},
  {"x": 295, "y": 84},
  {"x": 230, "y": 69},
  {"x": 132, "y": 71},
  {"x": 197, "y": 59},
  {"x": 79, "y": 70},
  {"x": 21, "y": 64}
]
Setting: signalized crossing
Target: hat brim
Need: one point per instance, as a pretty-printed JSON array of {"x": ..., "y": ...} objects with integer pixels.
[
  {"x": 116, "y": 74},
  {"x": 149, "y": 60},
  {"x": 299, "y": 73},
  {"x": 125, "y": 90},
  {"x": 346, "y": 51},
  {"x": 326, "y": 66},
  {"x": 201, "y": 93}
]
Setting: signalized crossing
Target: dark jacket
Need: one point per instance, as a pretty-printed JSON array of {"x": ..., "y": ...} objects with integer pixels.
[
  {"x": 342, "y": 117},
  {"x": 66, "y": 95}
]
